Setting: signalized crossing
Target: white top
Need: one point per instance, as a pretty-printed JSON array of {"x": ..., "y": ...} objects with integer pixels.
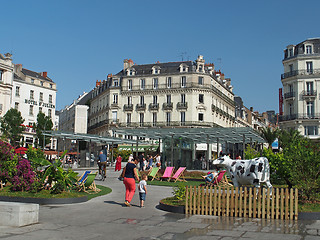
[{"x": 142, "y": 183}]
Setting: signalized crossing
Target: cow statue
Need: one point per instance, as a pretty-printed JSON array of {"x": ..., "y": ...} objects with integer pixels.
[{"x": 246, "y": 172}]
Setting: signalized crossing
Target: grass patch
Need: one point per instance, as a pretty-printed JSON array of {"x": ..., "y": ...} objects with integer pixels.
[
  {"x": 46, "y": 193},
  {"x": 173, "y": 201},
  {"x": 309, "y": 207}
]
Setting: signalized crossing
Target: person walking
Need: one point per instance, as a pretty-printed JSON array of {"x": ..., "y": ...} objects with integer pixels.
[
  {"x": 129, "y": 174},
  {"x": 118, "y": 163},
  {"x": 141, "y": 161},
  {"x": 143, "y": 189},
  {"x": 102, "y": 162}
]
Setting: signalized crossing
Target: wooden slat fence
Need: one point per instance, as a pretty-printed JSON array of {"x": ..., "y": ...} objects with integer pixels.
[{"x": 278, "y": 203}]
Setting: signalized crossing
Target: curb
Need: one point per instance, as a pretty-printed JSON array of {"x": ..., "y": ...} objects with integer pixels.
[
  {"x": 45, "y": 201},
  {"x": 170, "y": 208}
]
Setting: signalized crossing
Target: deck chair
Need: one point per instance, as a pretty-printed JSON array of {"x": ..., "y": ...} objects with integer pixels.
[
  {"x": 178, "y": 174},
  {"x": 82, "y": 179},
  {"x": 167, "y": 173},
  {"x": 221, "y": 180},
  {"x": 153, "y": 173},
  {"x": 90, "y": 184}
]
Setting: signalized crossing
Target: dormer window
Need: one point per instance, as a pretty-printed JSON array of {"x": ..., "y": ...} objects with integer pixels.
[
  {"x": 156, "y": 70},
  {"x": 131, "y": 72},
  {"x": 308, "y": 49},
  {"x": 290, "y": 52},
  {"x": 116, "y": 82},
  {"x": 183, "y": 68}
]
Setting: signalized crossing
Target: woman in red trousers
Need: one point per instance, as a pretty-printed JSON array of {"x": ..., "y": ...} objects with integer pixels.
[
  {"x": 130, "y": 173},
  {"x": 118, "y": 163}
]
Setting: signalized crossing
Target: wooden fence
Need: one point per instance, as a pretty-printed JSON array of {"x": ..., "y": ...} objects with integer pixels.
[{"x": 278, "y": 203}]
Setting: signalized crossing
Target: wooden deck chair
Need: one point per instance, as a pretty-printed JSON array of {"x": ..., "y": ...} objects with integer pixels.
[
  {"x": 167, "y": 173},
  {"x": 90, "y": 184},
  {"x": 153, "y": 173},
  {"x": 221, "y": 180},
  {"x": 82, "y": 179},
  {"x": 178, "y": 174}
]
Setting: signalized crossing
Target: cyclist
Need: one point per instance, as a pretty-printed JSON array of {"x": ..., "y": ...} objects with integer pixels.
[{"x": 102, "y": 163}]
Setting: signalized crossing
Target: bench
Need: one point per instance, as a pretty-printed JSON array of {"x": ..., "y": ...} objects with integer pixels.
[{"x": 15, "y": 214}]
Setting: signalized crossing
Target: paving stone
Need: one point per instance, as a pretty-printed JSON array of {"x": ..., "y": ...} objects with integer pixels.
[
  {"x": 226, "y": 233},
  {"x": 273, "y": 236}
]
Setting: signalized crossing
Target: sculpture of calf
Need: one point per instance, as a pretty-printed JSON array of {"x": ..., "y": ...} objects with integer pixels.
[{"x": 246, "y": 172}]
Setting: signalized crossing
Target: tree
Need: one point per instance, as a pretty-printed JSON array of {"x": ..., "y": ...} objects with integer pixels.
[
  {"x": 286, "y": 137},
  {"x": 269, "y": 135},
  {"x": 44, "y": 123},
  {"x": 11, "y": 126}
]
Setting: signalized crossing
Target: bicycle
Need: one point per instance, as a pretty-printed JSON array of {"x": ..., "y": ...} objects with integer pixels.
[{"x": 102, "y": 173}]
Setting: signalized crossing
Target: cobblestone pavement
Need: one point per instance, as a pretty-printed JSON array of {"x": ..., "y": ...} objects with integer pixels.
[{"x": 106, "y": 217}]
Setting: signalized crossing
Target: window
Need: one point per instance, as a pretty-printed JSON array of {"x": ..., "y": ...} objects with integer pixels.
[
  {"x": 115, "y": 82},
  {"x": 51, "y": 85},
  {"x": 141, "y": 119},
  {"x": 169, "y": 82},
  {"x": 308, "y": 49},
  {"x": 50, "y": 98},
  {"x": 183, "y": 117},
  {"x": 130, "y": 72},
  {"x": 200, "y": 80},
  {"x": 155, "y": 83},
  {"x": 154, "y": 118},
  {"x": 129, "y": 100},
  {"x": 41, "y": 97},
  {"x": 168, "y": 98},
  {"x": 50, "y": 113},
  {"x": 142, "y": 83},
  {"x": 16, "y": 105},
  {"x": 130, "y": 84},
  {"x": 183, "y": 81},
  {"x": 141, "y": 100},
  {"x": 41, "y": 83},
  {"x": 310, "y": 109},
  {"x": 290, "y": 109},
  {"x": 200, "y": 117},
  {"x": 17, "y": 91},
  {"x": 156, "y": 70},
  {"x": 114, "y": 116},
  {"x": 128, "y": 117},
  {"x": 291, "y": 68},
  {"x": 309, "y": 67},
  {"x": 31, "y": 94},
  {"x": 32, "y": 80},
  {"x": 291, "y": 52},
  {"x": 31, "y": 110},
  {"x": 310, "y": 130},
  {"x": 1, "y": 74},
  {"x": 40, "y": 109},
  {"x": 309, "y": 88},
  {"x": 200, "y": 68},
  {"x": 183, "y": 98},
  {"x": 115, "y": 98},
  {"x": 155, "y": 99},
  {"x": 201, "y": 98},
  {"x": 168, "y": 117},
  {"x": 290, "y": 88}
]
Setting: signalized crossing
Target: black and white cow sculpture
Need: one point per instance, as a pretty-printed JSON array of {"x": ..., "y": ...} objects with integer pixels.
[{"x": 246, "y": 172}]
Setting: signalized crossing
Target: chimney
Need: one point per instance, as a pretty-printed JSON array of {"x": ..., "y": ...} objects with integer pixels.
[
  {"x": 98, "y": 83},
  {"x": 18, "y": 67},
  {"x": 127, "y": 63},
  {"x": 44, "y": 74},
  {"x": 251, "y": 109}
]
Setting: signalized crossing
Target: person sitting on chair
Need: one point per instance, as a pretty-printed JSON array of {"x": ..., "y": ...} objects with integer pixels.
[{"x": 210, "y": 176}]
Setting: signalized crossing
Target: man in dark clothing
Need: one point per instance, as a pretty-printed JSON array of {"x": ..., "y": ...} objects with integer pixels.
[
  {"x": 141, "y": 159},
  {"x": 102, "y": 163}
]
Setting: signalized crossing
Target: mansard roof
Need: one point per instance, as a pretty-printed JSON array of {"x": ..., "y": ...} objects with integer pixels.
[{"x": 35, "y": 74}]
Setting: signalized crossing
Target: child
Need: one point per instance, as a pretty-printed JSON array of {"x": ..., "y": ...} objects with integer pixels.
[{"x": 143, "y": 189}]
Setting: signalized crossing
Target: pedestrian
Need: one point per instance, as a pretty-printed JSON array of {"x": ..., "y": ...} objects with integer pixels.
[
  {"x": 143, "y": 189},
  {"x": 158, "y": 160},
  {"x": 102, "y": 162},
  {"x": 129, "y": 174},
  {"x": 141, "y": 160},
  {"x": 118, "y": 163},
  {"x": 150, "y": 163}
]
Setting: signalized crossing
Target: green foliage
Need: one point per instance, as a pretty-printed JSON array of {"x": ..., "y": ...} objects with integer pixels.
[
  {"x": 44, "y": 123},
  {"x": 251, "y": 153},
  {"x": 35, "y": 155},
  {"x": 269, "y": 135},
  {"x": 8, "y": 161},
  {"x": 286, "y": 137},
  {"x": 124, "y": 154},
  {"x": 11, "y": 126},
  {"x": 179, "y": 192}
]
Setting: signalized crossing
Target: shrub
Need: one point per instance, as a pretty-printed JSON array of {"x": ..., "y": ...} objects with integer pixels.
[
  {"x": 24, "y": 177},
  {"x": 179, "y": 192},
  {"x": 8, "y": 161}
]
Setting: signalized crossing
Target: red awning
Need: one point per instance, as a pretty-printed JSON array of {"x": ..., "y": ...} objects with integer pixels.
[{"x": 21, "y": 150}]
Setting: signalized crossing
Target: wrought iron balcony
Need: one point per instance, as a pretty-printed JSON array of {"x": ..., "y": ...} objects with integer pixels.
[
  {"x": 141, "y": 107},
  {"x": 154, "y": 106},
  {"x": 182, "y": 105},
  {"x": 283, "y": 118},
  {"x": 309, "y": 93},
  {"x": 300, "y": 72},
  {"x": 128, "y": 107},
  {"x": 167, "y": 106},
  {"x": 289, "y": 95}
]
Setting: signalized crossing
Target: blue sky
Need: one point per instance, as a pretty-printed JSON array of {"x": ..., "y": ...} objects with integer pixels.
[{"x": 78, "y": 42}]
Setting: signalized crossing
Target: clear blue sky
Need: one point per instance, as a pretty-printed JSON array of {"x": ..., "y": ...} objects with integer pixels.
[{"x": 78, "y": 42}]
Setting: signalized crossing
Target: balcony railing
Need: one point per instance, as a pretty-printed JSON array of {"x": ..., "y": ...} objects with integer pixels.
[
  {"x": 300, "y": 72},
  {"x": 128, "y": 107},
  {"x": 141, "y": 107},
  {"x": 309, "y": 93},
  {"x": 165, "y": 86},
  {"x": 154, "y": 106},
  {"x": 182, "y": 105},
  {"x": 168, "y": 124},
  {"x": 289, "y": 95},
  {"x": 298, "y": 116},
  {"x": 167, "y": 106}
]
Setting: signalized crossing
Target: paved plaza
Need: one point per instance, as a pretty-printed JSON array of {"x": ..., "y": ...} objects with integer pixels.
[{"x": 106, "y": 217}]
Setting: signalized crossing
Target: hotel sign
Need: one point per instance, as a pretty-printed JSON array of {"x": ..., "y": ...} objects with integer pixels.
[{"x": 41, "y": 104}]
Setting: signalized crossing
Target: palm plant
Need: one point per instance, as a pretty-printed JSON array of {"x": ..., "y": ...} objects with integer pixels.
[{"x": 269, "y": 134}]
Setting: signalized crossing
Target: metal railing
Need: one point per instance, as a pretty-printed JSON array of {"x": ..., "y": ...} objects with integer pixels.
[
  {"x": 309, "y": 93},
  {"x": 128, "y": 107},
  {"x": 141, "y": 107},
  {"x": 154, "y": 106},
  {"x": 167, "y": 106},
  {"x": 298, "y": 116},
  {"x": 300, "y": 72},
  {"x": 182, "y": 105},
  {"x": 289, "y": 95}
]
